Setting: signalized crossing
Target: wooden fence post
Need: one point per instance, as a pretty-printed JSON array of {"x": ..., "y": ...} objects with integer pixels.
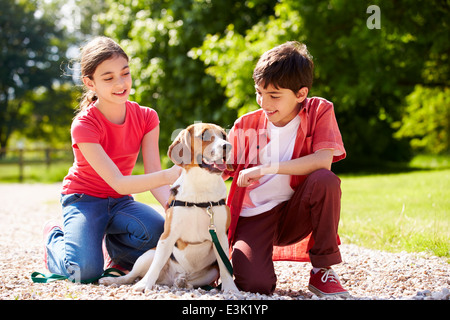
[
  {"x": 21, "y": 164},
  {"x": 47, "y": 158},
  {"x": 21, "y": 151}
]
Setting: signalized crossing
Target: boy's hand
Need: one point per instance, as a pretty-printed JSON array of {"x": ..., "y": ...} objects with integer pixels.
[{"x": 250, "y": 175}]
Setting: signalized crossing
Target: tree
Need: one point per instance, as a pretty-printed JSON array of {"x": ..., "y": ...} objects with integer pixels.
[
  {"x": 158, "y": 36},
  {"x": 426, "y": 120},
  {"x": 366, "y": 72},
  {"x": 30, "y": 57},
  {"x": 49, "y": 114}
]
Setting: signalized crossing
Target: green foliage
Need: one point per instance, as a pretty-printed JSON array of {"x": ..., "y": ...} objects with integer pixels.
[
  {"x": 159, "y": 36},
  {"x": 427, "y": 120},
  {"x": 48, "y": 113},
  {"x": 192, "y": 60},
  {"x": 30, "y": 58},
  {"x": 232, "y": 57},
  {"x": 365, "y": 72}
]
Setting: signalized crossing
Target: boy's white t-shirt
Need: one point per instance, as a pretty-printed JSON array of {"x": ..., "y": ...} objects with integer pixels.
[{"x": 272, "y": 189}]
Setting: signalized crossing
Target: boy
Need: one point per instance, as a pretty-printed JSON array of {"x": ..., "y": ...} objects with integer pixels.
[{"x": 283, "y": 190}]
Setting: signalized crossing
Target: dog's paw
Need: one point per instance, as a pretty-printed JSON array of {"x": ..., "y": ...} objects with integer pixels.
[
  {"x": 139, "y": 286},
  {"x": 107, "y": 281},
  {"x": 143, "y": 286},
  {"x": 230, "y": 288}
]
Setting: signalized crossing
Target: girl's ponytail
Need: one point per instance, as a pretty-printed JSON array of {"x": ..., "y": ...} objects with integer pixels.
[{"x": 87, "y": 98}]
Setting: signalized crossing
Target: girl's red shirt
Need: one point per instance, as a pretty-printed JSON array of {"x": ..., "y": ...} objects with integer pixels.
[{"x": 120, "y": 142}]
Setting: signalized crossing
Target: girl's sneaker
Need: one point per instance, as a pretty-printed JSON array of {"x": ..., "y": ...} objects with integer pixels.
[
  {"x": 326, "y": 283},
  {"x": 108, "y": 263},
  {"x": 48, "y": 227}
]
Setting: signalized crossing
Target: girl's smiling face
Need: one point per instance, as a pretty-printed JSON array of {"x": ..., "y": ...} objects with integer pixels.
[
  {"x": 111, "y": 81},
  {"x": 280, "y": 105}
]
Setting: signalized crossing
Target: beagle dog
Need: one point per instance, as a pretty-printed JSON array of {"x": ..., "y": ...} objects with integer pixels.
[{"x": 185, "y": 255}]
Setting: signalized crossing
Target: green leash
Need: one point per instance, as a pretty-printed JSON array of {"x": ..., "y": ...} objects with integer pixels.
[
  {"x": 212, "y": 232},
  {"x": 38, "y": 277}
]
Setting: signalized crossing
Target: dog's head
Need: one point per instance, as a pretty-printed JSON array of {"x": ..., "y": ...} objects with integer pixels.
[{"x": 202, "y": 144}]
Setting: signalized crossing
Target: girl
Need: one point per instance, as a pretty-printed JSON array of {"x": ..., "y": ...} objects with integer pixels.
[{"x": 107, "y": 134}]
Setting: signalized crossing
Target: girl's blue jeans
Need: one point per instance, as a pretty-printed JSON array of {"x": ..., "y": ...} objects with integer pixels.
[{"x": 131, "y": 228}]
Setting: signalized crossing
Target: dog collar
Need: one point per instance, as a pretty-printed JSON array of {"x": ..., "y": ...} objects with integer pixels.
[{"x": 178, "y": 203}]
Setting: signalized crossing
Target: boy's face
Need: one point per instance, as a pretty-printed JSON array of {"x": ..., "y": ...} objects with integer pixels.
[{"x": 280, "y": 105}]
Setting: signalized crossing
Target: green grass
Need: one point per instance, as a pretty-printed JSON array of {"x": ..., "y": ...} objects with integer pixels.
[
  {"x": 33, "y": 173},
  {"x": 396, "y": 212},
  {"x": 405, "y": 211}
]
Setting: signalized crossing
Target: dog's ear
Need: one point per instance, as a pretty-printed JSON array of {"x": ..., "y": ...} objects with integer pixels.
[
  {"x": 180, "y": 149},
  {"x": 229, "y": 154},
  {"x": 224, "y": 134}
]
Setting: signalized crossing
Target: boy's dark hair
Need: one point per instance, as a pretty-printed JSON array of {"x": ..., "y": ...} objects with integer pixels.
[{"x": 288, "y": 66}]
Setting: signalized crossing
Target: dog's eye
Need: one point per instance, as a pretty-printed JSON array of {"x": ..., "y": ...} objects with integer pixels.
[{"x": 207, "y": 135}]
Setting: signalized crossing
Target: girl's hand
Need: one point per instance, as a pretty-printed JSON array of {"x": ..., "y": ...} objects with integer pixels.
[{"x": 172, "y": 174}]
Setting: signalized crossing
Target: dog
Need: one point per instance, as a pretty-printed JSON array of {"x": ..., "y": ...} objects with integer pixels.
[{"x": 185, "y": 256}]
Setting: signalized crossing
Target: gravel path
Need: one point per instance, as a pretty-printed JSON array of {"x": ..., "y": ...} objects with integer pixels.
[{"x": 366, "y": 274}]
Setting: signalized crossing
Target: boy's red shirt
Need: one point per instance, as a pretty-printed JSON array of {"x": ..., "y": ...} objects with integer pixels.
[{"x": 318, "y": 129}]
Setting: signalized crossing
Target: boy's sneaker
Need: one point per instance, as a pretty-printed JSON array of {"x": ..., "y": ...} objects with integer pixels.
[{"x": 326, "y": 283}]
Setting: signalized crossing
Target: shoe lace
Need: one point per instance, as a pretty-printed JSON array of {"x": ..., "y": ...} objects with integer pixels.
[{"x": 329, "y": 275}]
